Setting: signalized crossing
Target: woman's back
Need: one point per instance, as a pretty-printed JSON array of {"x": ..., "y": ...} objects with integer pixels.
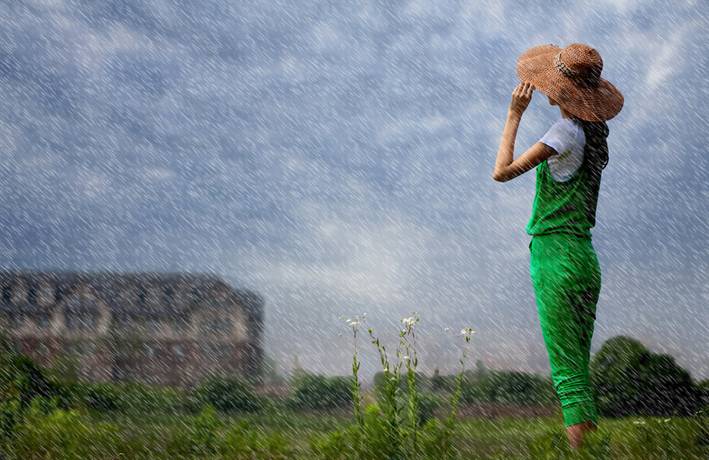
[
  {"x": 566, "y": 137},
  {"x": 567, "y": 183}
]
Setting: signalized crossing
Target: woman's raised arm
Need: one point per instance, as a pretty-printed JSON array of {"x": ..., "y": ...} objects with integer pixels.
[
  {"x": 528, "y": 160},
  {"x": 505, "y": 167}
]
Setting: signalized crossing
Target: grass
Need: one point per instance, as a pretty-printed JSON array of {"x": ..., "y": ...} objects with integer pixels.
[
  {"x": 386, "y": 427},
  {"x": 148, "y": 436}
]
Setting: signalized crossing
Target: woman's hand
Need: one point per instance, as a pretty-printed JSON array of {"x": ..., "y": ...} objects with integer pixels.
[{"x": 521, "y": 96}]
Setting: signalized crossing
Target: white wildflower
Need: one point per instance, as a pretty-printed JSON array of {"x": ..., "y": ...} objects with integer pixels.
[
  {"x": 410, "y": 321},
  {"x": 356, "y": 321}
]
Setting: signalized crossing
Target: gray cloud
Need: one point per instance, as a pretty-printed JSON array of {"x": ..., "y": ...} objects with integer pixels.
[{"x": 337, "y": 158}]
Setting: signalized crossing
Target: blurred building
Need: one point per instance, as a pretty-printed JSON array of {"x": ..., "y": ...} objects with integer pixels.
[{"x": 158, "y": 328}]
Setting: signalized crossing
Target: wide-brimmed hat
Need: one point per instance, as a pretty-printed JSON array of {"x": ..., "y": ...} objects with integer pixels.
[{"x": 572, "y": 77}]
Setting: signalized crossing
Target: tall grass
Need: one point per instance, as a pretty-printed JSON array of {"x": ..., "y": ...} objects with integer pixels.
[{"x": 392, "y": 427}]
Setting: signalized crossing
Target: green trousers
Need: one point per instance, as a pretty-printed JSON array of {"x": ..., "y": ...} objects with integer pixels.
[{"x": 567, "y": 281}]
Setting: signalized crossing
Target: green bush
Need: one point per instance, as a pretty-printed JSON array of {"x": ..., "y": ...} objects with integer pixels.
[
  {"x": 98, "y": 396},
  {"x": 313, "y": 391},
  {"x": 23, "y": 380},
  {"x": 61, "y": 434},
  {"x": 509, "y": 387},
  {"x": 11, "y": 414},
  {"x": 146, "y": 398},
  {"x": 228, "y": 395},
  {"x": 130, "y": 397}
]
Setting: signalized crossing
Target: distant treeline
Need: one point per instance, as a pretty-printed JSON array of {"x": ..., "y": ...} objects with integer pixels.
[{"x": 628, "y": 379}]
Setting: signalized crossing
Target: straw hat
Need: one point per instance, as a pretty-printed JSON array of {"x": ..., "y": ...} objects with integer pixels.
[{"x": 572, "y": 77}]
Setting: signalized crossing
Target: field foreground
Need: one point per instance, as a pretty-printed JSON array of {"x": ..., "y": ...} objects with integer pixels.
[{"x": 288, "y": 434}]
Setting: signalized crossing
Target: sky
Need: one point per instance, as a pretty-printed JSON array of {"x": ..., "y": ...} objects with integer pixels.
[{"x": 336, "y": 157}]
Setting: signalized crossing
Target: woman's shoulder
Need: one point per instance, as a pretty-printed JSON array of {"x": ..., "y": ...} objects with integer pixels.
[
  {"x": 572, "y": 131},
  {"x": 575, "y": 125},
  {"x": 566, "y": 137},
  {"x": 563, "y": 134}
]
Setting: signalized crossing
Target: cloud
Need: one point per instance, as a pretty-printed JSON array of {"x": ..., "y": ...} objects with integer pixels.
[
  {"x": 670, "y": 58},
  {"x": 339, "y": 159}
]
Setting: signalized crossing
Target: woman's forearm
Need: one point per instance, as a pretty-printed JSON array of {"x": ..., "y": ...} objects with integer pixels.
[{"x": 505, "y": 153}]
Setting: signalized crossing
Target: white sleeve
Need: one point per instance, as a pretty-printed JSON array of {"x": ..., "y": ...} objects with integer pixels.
[{"x": 560, "y": 136}]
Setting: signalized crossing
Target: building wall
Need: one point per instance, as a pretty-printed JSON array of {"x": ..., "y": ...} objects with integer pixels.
[{"x": 173, "y": 330}]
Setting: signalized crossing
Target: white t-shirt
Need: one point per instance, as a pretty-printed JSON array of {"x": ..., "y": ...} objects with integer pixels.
[{"x": 566, "y": 137}]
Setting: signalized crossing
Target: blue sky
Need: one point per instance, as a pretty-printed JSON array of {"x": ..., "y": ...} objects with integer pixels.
[{"x": 336, "y": 157}]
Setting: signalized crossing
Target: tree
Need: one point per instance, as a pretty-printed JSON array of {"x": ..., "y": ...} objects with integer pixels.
[
  {"x": 703, "y": 387},
  {"x": 228, "y": 394},
  {"x": 22, "y": 380},
  {"x": 511, "y": 387},
  {"x": 629, "y": 379},
  {"x": 437, "y": 382}
]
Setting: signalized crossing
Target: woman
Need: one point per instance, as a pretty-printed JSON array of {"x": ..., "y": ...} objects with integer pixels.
[{"x": 571, "y": 156}]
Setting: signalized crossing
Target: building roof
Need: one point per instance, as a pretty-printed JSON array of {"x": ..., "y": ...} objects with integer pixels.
[{"x": 118, "y": 290}]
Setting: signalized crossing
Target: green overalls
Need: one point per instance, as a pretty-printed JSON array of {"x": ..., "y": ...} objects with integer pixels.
[{"x": 567, "y": 280}]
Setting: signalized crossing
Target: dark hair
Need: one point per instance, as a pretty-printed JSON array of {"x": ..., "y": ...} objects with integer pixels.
[{"x": 596, "y": 148}]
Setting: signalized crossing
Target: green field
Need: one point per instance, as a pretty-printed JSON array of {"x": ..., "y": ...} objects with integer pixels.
[
  {"x": 482, "y": 414},
  {"x": 290, "y": 434}
]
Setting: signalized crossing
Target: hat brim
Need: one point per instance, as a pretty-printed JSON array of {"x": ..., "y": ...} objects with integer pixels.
[{"x": 600, "y": 103}]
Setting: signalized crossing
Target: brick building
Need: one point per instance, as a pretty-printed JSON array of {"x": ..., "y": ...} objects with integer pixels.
[{"x": 158, "y": 328}]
